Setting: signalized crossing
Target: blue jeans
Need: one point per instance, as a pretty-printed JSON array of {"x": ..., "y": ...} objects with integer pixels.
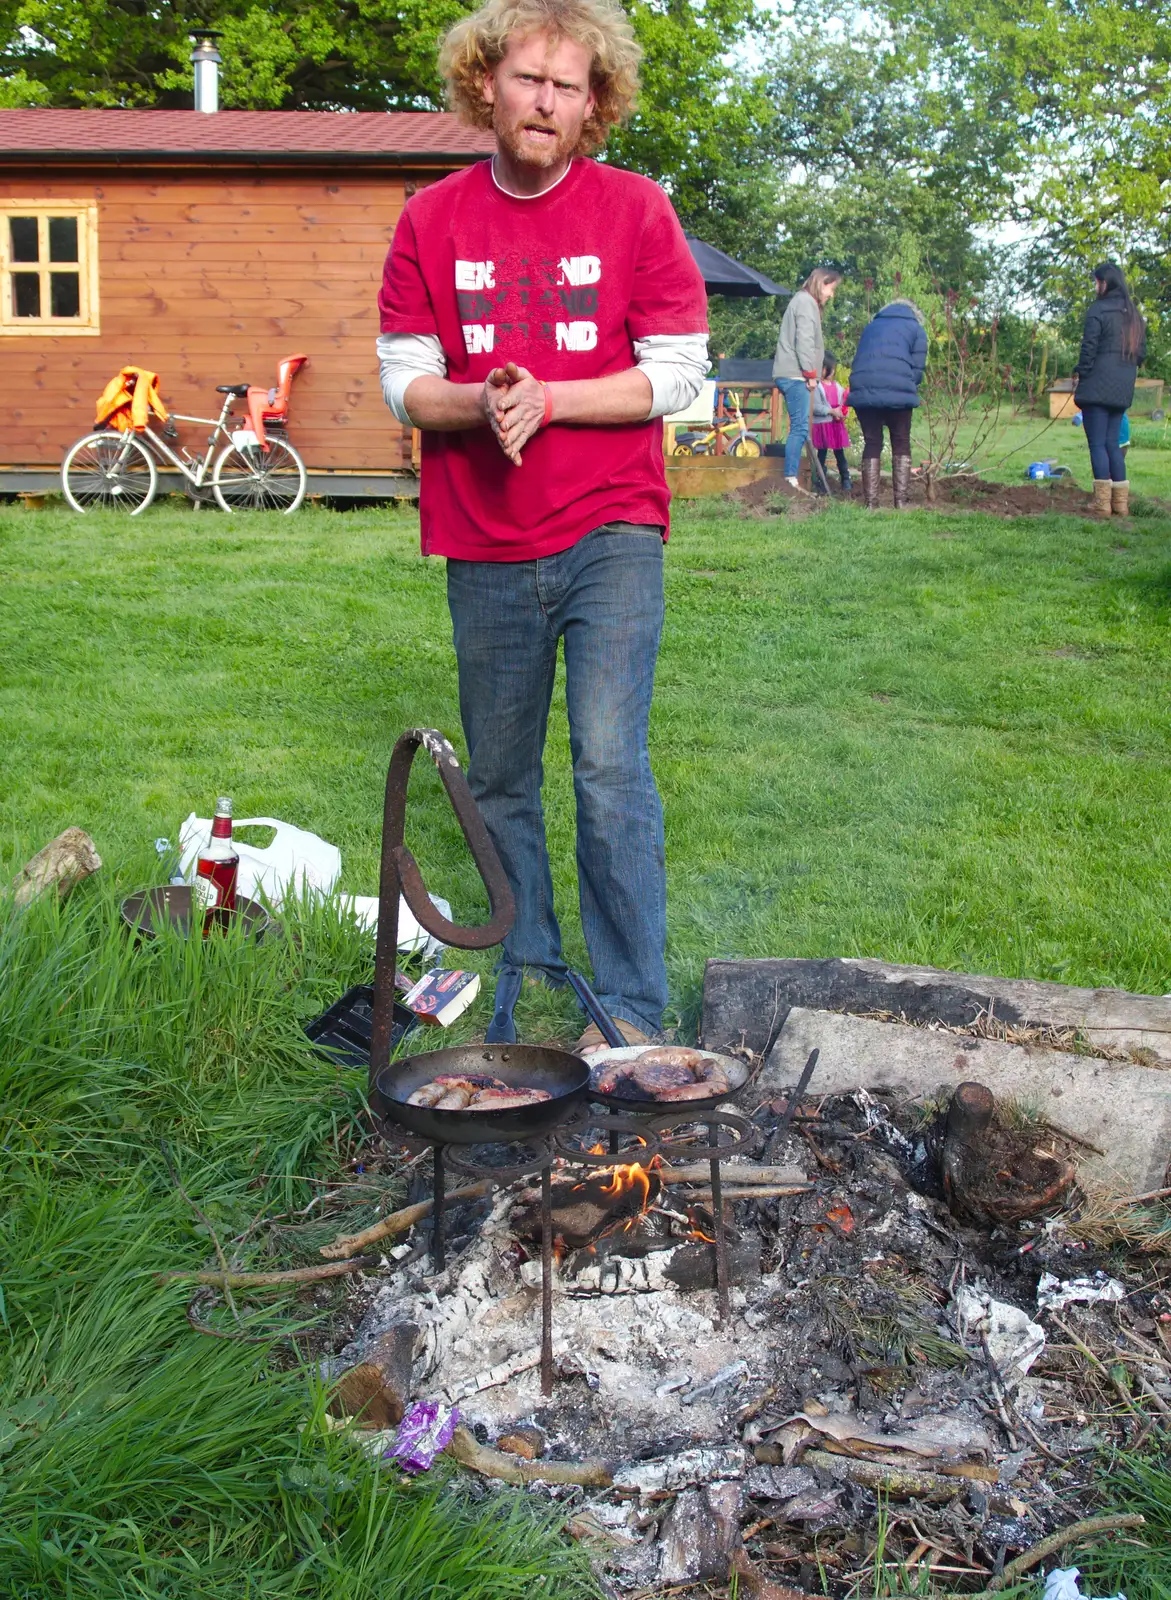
[
  {"x": 1103, "y": 424},
  {"x": 604, "y": 598},
  {"x": 796, "y": 397}
]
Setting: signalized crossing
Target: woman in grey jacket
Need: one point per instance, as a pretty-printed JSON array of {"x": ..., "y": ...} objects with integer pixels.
[{"x": 800, "y": 353}]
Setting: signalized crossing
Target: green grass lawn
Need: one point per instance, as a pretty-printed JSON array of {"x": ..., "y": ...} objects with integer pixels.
[
  {"x": 931, "y": 737},
  {"x": 1014, "y": 441}
]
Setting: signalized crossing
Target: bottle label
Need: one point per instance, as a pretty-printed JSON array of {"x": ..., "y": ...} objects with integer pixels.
[{"x": 204, "y": 894}]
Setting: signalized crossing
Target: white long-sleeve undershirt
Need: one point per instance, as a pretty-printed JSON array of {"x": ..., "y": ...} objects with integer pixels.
[{"x": 675, "y": 365}]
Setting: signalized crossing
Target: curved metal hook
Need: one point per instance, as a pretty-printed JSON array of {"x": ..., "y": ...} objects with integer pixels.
[{"x": 399, "y": 874}]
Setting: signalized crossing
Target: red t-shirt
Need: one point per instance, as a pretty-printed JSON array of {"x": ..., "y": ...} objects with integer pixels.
[{"x": 562, "y": 284}]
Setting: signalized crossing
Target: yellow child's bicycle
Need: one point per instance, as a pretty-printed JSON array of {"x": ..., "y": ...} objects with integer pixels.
[{"x": 738, "y": 440}]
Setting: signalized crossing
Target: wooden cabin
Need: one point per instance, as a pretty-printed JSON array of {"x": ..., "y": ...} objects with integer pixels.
[{"x": 206, "y": 248}]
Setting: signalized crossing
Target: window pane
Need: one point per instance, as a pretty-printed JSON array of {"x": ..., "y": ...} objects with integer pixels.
[
  {"x": 65, "y": 294},
  {"x": 26, "y": 294},
  {"x": 24, "y": 238},
  {"x": 62, "y": 238}
]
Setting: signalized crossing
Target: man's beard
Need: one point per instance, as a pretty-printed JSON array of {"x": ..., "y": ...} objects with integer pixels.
[{"x": 529, "y": 153}]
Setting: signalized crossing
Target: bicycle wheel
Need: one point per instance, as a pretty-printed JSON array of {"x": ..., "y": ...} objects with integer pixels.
[
  {"x": 247, "y": 478},
  {"x": 747, "y": 446},
  {"x": 682, "y": 450},
  {"x": 109, "y": 472}
]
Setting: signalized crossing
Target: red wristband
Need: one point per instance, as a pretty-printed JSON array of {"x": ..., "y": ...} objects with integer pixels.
[{"x": 548, "y": 417}]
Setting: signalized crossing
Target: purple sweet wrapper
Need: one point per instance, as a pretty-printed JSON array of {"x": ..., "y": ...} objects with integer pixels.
[{"x": 423, "y": 1433}]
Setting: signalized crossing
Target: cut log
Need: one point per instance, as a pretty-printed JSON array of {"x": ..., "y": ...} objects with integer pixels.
[
  {"x": 377, "y": 1391},
  {"x": 63, "y": 863}
]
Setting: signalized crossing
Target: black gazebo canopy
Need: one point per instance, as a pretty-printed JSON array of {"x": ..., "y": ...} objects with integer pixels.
[{"x": 722, "y": 275}]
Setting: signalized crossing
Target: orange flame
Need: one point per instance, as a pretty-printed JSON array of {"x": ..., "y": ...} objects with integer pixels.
[
  {"x": 628, "y": 1177},
  {"x": 695, "y": 1231}
]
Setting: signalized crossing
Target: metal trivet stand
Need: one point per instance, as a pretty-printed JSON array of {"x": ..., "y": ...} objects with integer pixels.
[
  {"x": 651, "y": 1135},
  {"x": 631, "y": 1140}
]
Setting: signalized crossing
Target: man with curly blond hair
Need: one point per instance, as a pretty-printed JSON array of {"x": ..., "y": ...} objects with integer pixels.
[{"x": 540, "y": 314}]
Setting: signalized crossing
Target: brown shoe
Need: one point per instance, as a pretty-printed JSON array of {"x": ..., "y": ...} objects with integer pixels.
[
  {"x": 1120, "y": 499},
  {"x": 871, "y": 473},
  {"x": 900, "y": 475},
  {"x": 1103, "y": 496},
  {"x": 592, "y": 1040}
]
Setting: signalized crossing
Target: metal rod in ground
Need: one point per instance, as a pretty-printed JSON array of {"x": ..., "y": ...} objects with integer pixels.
[
  {"x": 437, "y": 1212},
  {"x": 546, "y": 1281},
  {"x": 802, "y": 1085},
  {"x": 713, "y": 1139}
]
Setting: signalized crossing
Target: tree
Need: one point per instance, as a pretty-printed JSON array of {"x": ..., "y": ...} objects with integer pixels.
[
  {"x": 852, "y": 168},
  {"x": 359, "y": 55},
  {"x": 694, "y": 123},
  {"x": 1076, "y": 97}
]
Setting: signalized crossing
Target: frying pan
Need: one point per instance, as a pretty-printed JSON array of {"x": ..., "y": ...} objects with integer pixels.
[
  {"x": 566, "y": 1077},
  {"x": 619, "y": 1050},
  {"x": 641, "y": 1104}
]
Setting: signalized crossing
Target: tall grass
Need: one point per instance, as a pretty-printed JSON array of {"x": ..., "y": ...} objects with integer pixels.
[{"x": 140, "y": 1457}]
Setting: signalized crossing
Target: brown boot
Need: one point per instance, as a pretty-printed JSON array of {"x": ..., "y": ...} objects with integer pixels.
[
  {"x": 1120, "y": 499},
  {"x": 1102, "y": 498},
  {"x": 871, "y": 472},
  {"x": 900, "y": 473}
]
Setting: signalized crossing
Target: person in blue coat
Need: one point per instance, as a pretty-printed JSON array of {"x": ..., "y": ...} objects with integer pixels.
[
  {"x": 1113, "y": 347},
  {"x": 884, "y": 391}
]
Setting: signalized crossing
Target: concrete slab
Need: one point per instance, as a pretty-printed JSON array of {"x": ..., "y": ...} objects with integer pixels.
[
  {"x": 745, "y": 1001},
  {"x": 1125, "y": 1110}
]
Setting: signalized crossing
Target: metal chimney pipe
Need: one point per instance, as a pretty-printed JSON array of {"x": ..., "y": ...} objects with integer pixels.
[{"x": 206, "y": 60}]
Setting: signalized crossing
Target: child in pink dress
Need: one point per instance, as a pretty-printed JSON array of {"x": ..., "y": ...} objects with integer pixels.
[{"x": 829, "y": 423}]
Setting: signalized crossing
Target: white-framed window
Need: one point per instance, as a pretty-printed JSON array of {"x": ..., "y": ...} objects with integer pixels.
[{"x": 48, "y": 267}]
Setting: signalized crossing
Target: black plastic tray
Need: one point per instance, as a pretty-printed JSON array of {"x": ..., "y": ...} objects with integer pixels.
[{"x": 343, "y": 1032}]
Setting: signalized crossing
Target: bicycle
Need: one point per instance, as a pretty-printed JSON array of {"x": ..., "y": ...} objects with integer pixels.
[
  {"x": 704, "y": 443},
  {"x": 257, "y": 469}
]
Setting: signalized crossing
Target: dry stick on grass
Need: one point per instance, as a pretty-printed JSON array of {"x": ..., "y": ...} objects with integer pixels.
[
  {"x": 206, "y": 1220},
  {"x": 399, "y": 1221},
  {"x": 1100, "y": 1366},
  {"x": 469, "y": 1452},
  {"x": 272, "y": 1280},
  {"x": 1087, "y": 1529},
  {"x": 1151, "y": 1194},
  {"x": 999, "y": 1394}
]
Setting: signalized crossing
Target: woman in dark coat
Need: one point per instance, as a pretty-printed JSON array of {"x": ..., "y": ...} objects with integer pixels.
[
  {"x": 1114, "y": 343},
  {"x": 884, "y": 391}
]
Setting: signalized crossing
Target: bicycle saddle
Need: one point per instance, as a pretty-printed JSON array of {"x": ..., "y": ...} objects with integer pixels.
[{"x": 239, "y": 389}]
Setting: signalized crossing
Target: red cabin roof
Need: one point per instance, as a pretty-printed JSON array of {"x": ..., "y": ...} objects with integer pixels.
[{"x": 234, "y": 136}]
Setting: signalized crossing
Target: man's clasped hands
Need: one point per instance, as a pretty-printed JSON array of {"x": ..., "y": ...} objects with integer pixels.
[{"x": 516, "y": 404}]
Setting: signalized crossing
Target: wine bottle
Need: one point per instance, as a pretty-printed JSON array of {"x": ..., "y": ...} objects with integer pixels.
[{"x": 213, "y": 892}]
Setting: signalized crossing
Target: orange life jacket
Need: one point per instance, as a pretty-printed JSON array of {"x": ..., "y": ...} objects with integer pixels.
[{"x": 128, "y": 399}]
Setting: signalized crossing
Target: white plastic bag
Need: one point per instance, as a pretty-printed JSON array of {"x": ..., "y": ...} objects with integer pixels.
[
  {"x": 295, "y": 861},
  {"x": 1061, "y": 1584},
  {"x": 411, "y": 937}
]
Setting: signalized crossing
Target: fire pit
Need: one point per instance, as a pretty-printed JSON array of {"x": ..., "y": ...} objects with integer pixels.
[{"x": 637, "y": 1310}]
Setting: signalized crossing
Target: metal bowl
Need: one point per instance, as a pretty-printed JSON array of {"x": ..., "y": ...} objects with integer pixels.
[{"x": 151, "y": 910}]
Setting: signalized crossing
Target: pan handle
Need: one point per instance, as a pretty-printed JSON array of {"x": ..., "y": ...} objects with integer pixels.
[
  {"x": 596, "y": 1011},
  {"x": 399, "y": 874}
]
